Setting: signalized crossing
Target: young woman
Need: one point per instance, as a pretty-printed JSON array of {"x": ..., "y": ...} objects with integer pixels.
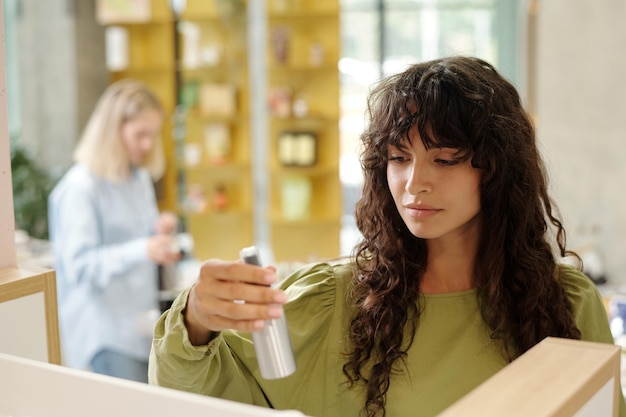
[
  {"x": 457, "y": 273},
  {"x": 108, "y": 236}
]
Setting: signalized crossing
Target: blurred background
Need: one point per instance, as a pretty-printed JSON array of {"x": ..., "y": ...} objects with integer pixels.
[{"x": 275, "y": 162}]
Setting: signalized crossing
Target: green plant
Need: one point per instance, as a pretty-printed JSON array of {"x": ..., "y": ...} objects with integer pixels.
[{"x": 31, "y": 187}]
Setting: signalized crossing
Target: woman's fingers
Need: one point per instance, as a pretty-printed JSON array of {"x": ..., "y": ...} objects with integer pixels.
[
  {"x": 240, "y": 325},
  {"x": 237, "y": 271},
  {"x": 239, "y": 282},
  {"x": 243, "y": 292},
  {"x": 234, "y": 295},
  {"x": 246, "y": 311}
]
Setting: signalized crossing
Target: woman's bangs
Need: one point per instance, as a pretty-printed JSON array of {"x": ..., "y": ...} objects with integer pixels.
[{"x": 439, "y": 132}]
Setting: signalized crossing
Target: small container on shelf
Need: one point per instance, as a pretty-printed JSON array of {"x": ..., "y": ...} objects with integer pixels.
[
  {"x": 218, "y": 100},
  {"x": 195, "y": 201},
  {"x": 191, "y": 44},
  {"x": 116, "y": 48},
  {"x": 220, "y": 198},
  {"x": 192, "y": 154},
  {"x": 217, "y": 142},
  {"x": 280, "y": 43},
  {"x": 279, "y": 101},
  {"x": 300, "y": 107},
  {"x": 316, "y": 54},
  {"x": 297, "y": 148},
  {"x": 295, "y": 193},
  {"x": 189, "y": 93}
]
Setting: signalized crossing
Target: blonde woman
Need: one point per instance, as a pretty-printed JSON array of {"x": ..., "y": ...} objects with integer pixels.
[{"x": 108, "y": 236}]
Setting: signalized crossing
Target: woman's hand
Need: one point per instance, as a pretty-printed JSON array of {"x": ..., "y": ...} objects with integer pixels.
[
  {"x": 163, "y": 250},
  {"x": 231, "y": 295},
  {"x": 166, "y": 224}
]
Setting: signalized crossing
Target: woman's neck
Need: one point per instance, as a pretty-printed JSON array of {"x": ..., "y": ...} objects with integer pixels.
[{"x": 450, "y": 268}]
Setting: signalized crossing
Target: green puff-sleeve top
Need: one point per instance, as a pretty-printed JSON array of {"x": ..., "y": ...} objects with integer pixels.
[{"x": 452, "y": 352}]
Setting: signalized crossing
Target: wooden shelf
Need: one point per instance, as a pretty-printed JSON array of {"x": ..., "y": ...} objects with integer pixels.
[
  {"x": 212, "y": 41},
  {"x": 312, "y": 171},
  {"x": 161, "y": 53},
  {"x": 308, "y": 70},
  {"x": 295, "y": 9},
  {"x": 310, "y": 221},
  {"x": 301, "y": 17},
  {"x": 221, "y": 234},
  {"x": 229, "y": 169},
  {"x": 220, "y": 31}
]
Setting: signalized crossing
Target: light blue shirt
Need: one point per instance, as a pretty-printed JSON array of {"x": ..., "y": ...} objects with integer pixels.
[{"x": 105, "y": 281}]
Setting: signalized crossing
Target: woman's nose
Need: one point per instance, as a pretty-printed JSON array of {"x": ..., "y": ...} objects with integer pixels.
[
  {"x": 419, "y": 179},
  {"x": 147, "y": 143}
]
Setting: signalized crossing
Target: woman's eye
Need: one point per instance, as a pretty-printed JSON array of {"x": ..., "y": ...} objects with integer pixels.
[
  {"x": 397, "y": 158},
  {"x": 447, "y": 162}
]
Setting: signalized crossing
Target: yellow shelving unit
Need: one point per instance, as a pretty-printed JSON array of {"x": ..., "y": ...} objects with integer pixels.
[
  {"x": 196, "y": 63},
  {"x": 303, "y": 88},
  {"x": 216, "y": 159},
  {"x": 199, "y": 62}
]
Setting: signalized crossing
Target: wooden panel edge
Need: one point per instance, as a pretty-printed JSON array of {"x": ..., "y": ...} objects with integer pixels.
[
  {"x": 517, "y": 376},
  {"x": 21, "y": 281},
  {"x": 52, "y": 318},
  {"x": 17, "y": 282}
]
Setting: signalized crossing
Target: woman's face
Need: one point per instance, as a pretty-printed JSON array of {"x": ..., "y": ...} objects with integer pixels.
[
  {"x": 436, "y": 192},
  {"x": 140, "y": 134}
]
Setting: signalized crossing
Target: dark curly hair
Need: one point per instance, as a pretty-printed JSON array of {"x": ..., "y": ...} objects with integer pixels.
[{"x": 463, "y": 103}]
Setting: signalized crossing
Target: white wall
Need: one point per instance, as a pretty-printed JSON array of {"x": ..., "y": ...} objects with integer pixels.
[
  {"x": 46, "y": 49},
  {"x": 581, "y": 119},
  {"x": 62, "y": 73}
]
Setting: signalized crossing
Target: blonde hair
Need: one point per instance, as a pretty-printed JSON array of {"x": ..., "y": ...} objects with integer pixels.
[{"x": 101, "y": 149}]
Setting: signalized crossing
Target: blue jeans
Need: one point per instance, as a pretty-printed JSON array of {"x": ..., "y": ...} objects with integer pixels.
[{"x": 108, "y": 362}]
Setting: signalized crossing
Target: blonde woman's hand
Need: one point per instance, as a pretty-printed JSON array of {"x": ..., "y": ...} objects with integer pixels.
[
  {"x": 166, "y": 224},
  {"x": 163, "y": 250},
  {"x": 231, "y": 295}
]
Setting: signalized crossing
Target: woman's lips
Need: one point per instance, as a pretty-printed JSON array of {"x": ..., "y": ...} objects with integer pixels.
[{"x": 421, "y": 211}]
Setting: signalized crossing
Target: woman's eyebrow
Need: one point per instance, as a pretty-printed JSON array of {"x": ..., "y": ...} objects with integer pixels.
[{"x": 446, "y": 148}]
